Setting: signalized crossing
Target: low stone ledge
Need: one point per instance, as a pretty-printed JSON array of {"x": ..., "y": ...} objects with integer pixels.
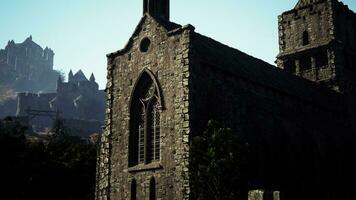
[{"x": 147, "y": 167}]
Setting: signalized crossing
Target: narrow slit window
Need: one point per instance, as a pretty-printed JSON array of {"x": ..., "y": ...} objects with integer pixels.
[
  {"x": 152, "y": 189},
  {"x": 133, "y": 190},
  {"x": 306, "y": 38}
]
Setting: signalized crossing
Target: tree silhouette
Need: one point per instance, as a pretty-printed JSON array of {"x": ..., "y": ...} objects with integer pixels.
[{"x": 216, "y": 162}]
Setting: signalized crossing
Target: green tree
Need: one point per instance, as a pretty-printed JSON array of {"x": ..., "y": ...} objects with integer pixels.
[{"x": 217, "y": 159}]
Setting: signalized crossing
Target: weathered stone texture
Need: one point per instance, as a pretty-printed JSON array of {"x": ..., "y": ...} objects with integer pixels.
[
  {"x": 326, "y": 53},
  {"x": 167, "y": 59},
  {"x": 292, "y": 127},
  {"x": 263, "y": 195}
]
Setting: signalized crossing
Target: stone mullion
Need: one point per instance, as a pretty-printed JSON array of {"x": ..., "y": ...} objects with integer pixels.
[
  {"x": 146, "y": 140},
  {"x": 153, "y": 133}
]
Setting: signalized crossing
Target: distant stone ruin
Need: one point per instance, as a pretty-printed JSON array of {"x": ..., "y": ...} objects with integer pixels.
[
  {"x": 29, "y": 82},
  {"x": 24, "y": 67},
  {"x": 78, "y": 100},
  {"x": 28, "y": 67}
]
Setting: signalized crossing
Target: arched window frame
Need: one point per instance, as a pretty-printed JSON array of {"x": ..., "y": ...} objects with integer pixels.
[{"x": 145, "y": 111}]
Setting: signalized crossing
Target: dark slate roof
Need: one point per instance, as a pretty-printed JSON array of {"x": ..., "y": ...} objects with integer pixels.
[
  {"x": 79, "y": 77},
  {"x": 29, "y": 43},
  {"x": 249, "y": 68}
]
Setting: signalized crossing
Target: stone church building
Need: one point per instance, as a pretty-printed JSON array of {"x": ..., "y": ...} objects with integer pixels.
[{"x": 298, "y": 118}]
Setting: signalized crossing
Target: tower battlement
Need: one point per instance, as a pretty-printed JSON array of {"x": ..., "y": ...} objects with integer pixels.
[{"x": 317, "y": 41}]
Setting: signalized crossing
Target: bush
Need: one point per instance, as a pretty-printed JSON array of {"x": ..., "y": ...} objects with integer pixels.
[
  {"x": 60, "y": 167},
  {"x": 216, "y": 163}
]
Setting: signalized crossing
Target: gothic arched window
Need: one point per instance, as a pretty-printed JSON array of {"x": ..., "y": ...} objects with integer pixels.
[{"x": 144, "y": 146}]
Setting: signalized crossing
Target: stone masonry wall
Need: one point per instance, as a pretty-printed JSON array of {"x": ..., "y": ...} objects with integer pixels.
[
  {"x": 315, "y": 19},
  {"x": 275, "y": 125},
  {"x": 167, "y": 59}
]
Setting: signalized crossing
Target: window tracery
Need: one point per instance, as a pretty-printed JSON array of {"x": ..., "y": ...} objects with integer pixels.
[{"x": 145, "y": 122}]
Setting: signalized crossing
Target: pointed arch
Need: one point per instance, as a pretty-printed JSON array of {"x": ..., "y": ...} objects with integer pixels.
[
  {"x": 143, "y": 75},
  {"x": 145, "y": 108}
]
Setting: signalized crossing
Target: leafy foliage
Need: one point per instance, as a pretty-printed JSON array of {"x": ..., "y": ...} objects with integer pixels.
[
  {"x": 216, "y": 161},
  {"x": 59, "y": 167}
]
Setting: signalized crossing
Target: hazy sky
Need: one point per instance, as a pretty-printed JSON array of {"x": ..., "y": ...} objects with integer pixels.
[{"x": 82, "y": 32}]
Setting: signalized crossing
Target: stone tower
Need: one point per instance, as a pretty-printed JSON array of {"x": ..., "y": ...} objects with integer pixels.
[{"x": 317, "y": 41}]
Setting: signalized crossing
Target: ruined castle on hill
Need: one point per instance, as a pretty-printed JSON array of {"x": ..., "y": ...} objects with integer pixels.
[
  {"x": 79, "y": 98},
  {"x": 28, "y": 67}
]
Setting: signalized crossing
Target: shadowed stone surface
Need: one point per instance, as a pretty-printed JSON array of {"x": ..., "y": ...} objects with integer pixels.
[{"x": 298, "y": 129}]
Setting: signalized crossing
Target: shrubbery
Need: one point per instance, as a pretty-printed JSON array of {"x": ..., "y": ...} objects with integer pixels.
[
  {"x": 58, "y": 167},
  {"x": 217, "y": 161}
]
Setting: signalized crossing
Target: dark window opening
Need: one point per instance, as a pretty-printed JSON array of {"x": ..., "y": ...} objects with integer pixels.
[
  {"x": 289, "y": 66},
  {"x": 152, "y": 189},
  {"x": 133, "y": 190},
  {"x": 321, "y": 59},
  {"x": 145, "y": 44},
  {"x": 306, "y": 38},
  {"x": 305, "y": 63},
  {"x": 144, "y": 139}
]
